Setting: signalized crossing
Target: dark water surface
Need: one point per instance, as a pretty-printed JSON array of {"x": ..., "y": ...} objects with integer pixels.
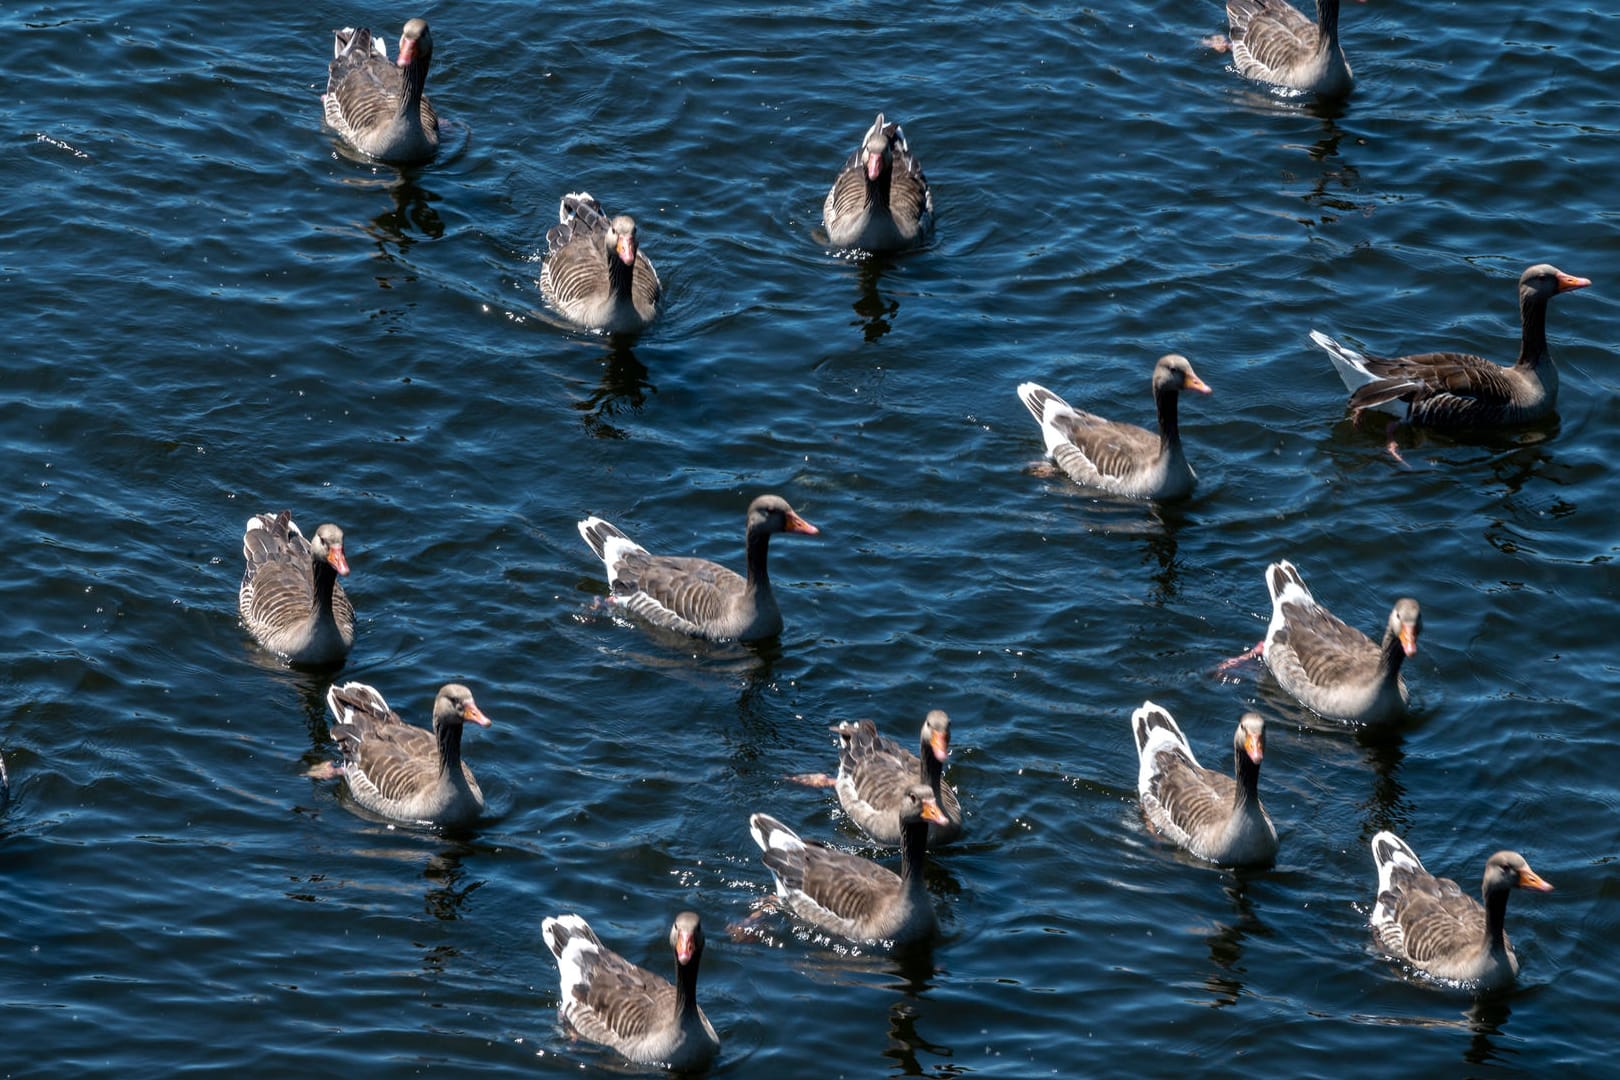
[{"x": 212, "y": 312}]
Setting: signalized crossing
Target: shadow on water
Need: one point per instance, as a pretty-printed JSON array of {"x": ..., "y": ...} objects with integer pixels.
[
  {"x": 906, "y": 1045},
  {"x": 410, "y": 217},
  {"x": 875, "y": 311},
  {"x": 1385, "y": 807},
  {"x": 622, "y": 389},
  {"x": 1226, "y": 982},
  {"x": 1486, "y": 1018}
]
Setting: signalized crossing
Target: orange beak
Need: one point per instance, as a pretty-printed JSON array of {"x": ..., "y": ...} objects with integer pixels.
[
  {"x": 1529, "y": 879},
  {"x": 1251, "y": 746},
  {"x": 407, "y": 52},
  {"x": 475, "y": 714},
  {"x": 1195, "y": 383},
  {"x": 1567, "y": 282},
  {"x": 683, "y": 948},
  {"x": 1408, "y": 635},
  {"x": 334, "y": 555},
  {"x": 626, "y": 247},
  {"x": 932, "y": 812},
  {"x": 797, "y": 524},
  {"x": 874, "y": 166},
  {"x": 940, "y": 743}
]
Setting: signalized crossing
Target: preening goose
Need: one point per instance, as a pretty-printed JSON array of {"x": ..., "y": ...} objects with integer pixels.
[
  {"x": 876, "y": 773},
  {"x": 290, "y": 600},
  {"x": 1431, "y": 924},
  {"x": 695, "y": 596},
  {"x": 1119, "y": 458},
  {"x": 376, "y": 106},
  {"x": 1272, "y": 42},
  {"x": 1450, "y": 390},
  {"x": 880, "y": 201},
  {"x": 850, "y": 896},
  {"x": 595, "y": 273},
  {"x": 1212, "y": 815},
  {"x": 609, "y": 1000},
  {"x": 404, "y": 772},
  {"x": 1332, "y": 668}
]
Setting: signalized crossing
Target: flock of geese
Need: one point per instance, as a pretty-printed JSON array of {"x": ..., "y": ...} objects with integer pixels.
[{"x": 596, "y": 276}]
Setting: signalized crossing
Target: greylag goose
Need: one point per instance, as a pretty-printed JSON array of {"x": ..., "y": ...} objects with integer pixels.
[
  {"x": 875, "y": 773},
  {"x": 1332, "y": 668},
  {"x": 1212, "y": 815},
  {"x": 1120, "y": 458},
  {"x": 1450, "y": 390},
  {"x": 376, "y": 106},
  {"x": 880, "y": 201},
  {"x": 404, "y": 772},
  {"x": 609, "y": 1000},
  {"x": 1272, "y": 42},
  {"x": 290, "y": 599},
  {"x": 851, "y": 896},
  {"x": 595, "y": 273},
  {"x": 695, "y": 596},
  {"x": 1431, "y": 924}
]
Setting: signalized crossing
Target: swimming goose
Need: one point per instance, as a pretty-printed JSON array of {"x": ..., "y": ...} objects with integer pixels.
[
  {"x": 377, "y": 106},
  {"x": 290, "y": 600},
  {"x": 880, "y": 201},
  {"x": 404, "y": 772},
  {"x": 1450, "y": 390},
  {"x": 695, "y": 596},
  {"x": 1119, "y": 458},
  {"x": 1429, "y": 923},
  {"x": 848, "y": 895},
  {"x": 609, "y": 1000},
  {"x": 874, "y": 774},
  {"x": 1272, "y": 42},
  {"x": 1332, "y": 668},
  {"x": 1212, "y": 815},
  {"x": 595, "y": 273}
]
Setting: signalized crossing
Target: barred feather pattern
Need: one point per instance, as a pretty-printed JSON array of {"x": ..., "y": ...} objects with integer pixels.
[
  {"x": 1272, "y": 42},
  {"x": 289, "y": 598},
  {"x": 1214, "y": 816},
  {"x": 585, "y": 275},
  {"x": 608, "y": 1000},
  {"x": 378, "y": 107},
  {"x": 404, "y": 772},
  {"x": 880, "y": 200},
  {"x": 875, "y": 773},
  {"x": 1330, "y": 667}
]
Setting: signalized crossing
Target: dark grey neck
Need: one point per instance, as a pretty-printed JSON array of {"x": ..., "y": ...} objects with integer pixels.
[
  {"x": 877, "y": 191},
  {"x": 913, "y": 853},
  {"x": 758, "y": 548},
  {"x": 449, "y": 736},
  {"x": 686, "y": 984},
  {"x": 1327, "y": 19},
  {"x": 1167, "y": 400},
  {"x": 1392, "y": 656},
  {"x": 620, "y": 276},
  {"x": 415, "y": 80},
  {"x": 930, "y": 771},
  {"x": 1248, "y": 780},
  {"x": 1496, "y": 919},
  {"x": 325, "y": 578},
  {"x": 1533, "y": 337}
]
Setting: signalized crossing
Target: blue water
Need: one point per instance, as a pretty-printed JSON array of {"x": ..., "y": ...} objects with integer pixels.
[{"x": 212, "y": 312}]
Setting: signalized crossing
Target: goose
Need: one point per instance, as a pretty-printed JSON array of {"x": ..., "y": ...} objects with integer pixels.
[
  {"x": 875, "y": 773},
  {"x": 848, "y": 895},
  {"x": 376, "y": 106},
  {"x": 694, "y": 596},
  {"x": 5, "y": 786},
  {"x": 1212, "y": 815},
  {"x": 1460, "y": 391},
  {"x": 404, "y": 772},
  {"x": 595, "y": 273},
  {"x": 1272, "y": 42},
  {"x": 880, "y": 201},
  {"x": 1332, "y": 668},
  {"x": 1120, "y": 458},
  {"x": 609, "y": 1000},
  {"x": 290, "y": 599},
  {"x": 1431, "y": 924}
]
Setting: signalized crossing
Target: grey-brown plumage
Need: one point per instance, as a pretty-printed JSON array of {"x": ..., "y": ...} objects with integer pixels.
[
  {"x": 609, "y": 1000},
  {"x": 850, "y": 896},
  {"x": 376, "y": 106},
  {"x": 1332, "y": 668},
  {"x": 290, "y": 599},
  {"x": 1432, "y": 925},
  {"x": 404, "y": 772},
  {"x": 875, "y": 773},
  {"x": 1116, "y": 457},
  {"x": 1461, "y": 391},
  {"x": 1214, "y": 816},
  {"x": 695, "y": 596},
  {"x": 595, "y": 273},
  {"x": 1273, "y": 43},
  {"x": 880, "y": 200}
]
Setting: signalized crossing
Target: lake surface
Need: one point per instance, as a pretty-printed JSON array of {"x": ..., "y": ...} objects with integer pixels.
[{"x": 212, "y": 312}]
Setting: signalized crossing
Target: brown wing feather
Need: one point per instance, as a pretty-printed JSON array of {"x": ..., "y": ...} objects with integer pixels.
[
  {"x": 1328, "y": 650},
  {"x": 1268, "y": 36}
]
